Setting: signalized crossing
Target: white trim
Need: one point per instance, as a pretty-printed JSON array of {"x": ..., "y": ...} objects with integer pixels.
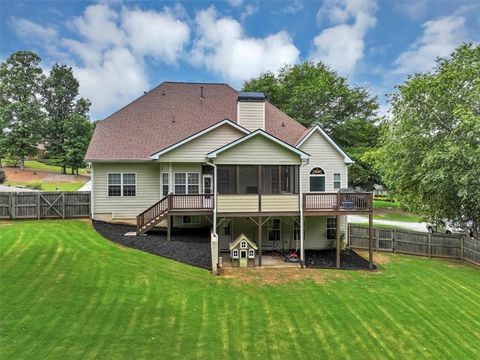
[
  {"x": 251, "y": 256},
  {"x": 303, "y": 155},
  {"x": 156, "y": 156},
  {"x": 92, "y": 194},
  {"x": 329, "y": 139},
  {"x": 121, "y": 184},
  {"x": 163, "y": 183}
]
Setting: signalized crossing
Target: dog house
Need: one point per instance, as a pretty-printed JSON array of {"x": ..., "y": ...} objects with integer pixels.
[{"x": 242, "y": 251}]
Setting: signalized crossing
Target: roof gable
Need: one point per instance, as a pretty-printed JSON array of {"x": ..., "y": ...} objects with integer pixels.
[
  {"x": 318, "y": 129},
  {"x": 303, "y": 155},
  {"x": 198, "y": 134}
]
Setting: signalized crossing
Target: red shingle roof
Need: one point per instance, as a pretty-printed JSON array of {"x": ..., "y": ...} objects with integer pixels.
[{"x": 171, "y": 112}]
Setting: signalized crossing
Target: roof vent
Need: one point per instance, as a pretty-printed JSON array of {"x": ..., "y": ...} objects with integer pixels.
[
  {"x": 251, "y": 96},
  {"x": 201, "y": 93},
  {"x": 163, "y": 92},
  {"x": 173, "y": 118},
  {"x": 144, "y": 92},
  {"x": 283, "y": 124}
]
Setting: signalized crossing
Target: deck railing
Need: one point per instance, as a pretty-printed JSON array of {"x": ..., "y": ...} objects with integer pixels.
[
  {"x": 152, "y": 213},
  {"x": 190, "y": 202},
  {"x": 336, "y": 201}
]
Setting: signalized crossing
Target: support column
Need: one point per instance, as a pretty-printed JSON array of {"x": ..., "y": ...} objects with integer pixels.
[
  {"x": 337, "y": 231},
  {"x": 260, "y": 241},
  {"x": 370, "y": 241},
  {"x": 169, "y": 227}
]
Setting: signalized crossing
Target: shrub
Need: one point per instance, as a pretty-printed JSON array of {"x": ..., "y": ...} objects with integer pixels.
[
  {"x": 34, "y": 186},
  {"x": 3, "y": 176}
]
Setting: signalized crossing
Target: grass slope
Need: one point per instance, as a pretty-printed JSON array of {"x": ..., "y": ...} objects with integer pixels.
[
  {"x": 68, "y": 293},
  {"x": 44, "y": 166},
  {"x": 385, "y": 210}
]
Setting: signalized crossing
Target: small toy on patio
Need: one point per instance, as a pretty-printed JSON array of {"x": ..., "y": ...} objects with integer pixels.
[{"x": 243, "y": 251}]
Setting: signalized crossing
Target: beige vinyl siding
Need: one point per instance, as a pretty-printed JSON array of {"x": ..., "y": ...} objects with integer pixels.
[
  {"x": 324, "y": 155},
  {"x": 280, "y": 202},
  {"x": 147, "y": 189},
  {"x": 258, "y": 150},
  {"x": 316, "y": 231},
  {"x": 251, "y": 115},
  {"x": 237, "y": 203},
  {"x": 197, "y": 149}
]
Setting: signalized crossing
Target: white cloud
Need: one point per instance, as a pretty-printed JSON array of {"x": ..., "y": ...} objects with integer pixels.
[
  {"x": 159, "y": 34},
  {"x": 109, "y": 51},
  {"x": 413, "y": 9},
  {"x": 249, "y": 11},
  {"x": 342, "y": 45},
  {"x": 294, "y": 7},
  {"x": 440, "y": 37},
  {"x": 31, "y": 30},
  {"x": 222, "y": 47},
  {"x": 235, "y": 2}
]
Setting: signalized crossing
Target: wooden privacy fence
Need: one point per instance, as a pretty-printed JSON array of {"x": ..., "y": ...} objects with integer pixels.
[
  {"x": 41, "y": 205},
  {"x": 416, "y": 243}
]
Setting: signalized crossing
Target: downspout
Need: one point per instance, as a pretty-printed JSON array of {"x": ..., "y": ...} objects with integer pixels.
[
  {"x": 302, "y": 226},
  {"x": 92, "y": 204},
  {"x": 214, "y": 196}
]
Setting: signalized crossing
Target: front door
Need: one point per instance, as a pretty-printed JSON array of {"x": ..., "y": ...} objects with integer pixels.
[{"x": 243, "y": 258}]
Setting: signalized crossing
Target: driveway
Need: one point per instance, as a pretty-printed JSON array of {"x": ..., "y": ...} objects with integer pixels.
[{"x": 422, "y": 227}]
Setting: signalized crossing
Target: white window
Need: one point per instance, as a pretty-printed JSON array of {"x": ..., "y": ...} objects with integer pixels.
[
  {"x": 251, "y": 254},
  {"x": 274, "y": 229},
  {"x": 114, "y": 184},
  {"x": 317, "y": 179},
  {"x": 243, "y": 244},
  {"x": 187, "y": 183},
  {"x": 234, "y": 254},
  {"x": 337, "y": 181},
  {"x": 331, "y": 228},
  {"x": 122, "y": 184},
  {"x": 190, "y": 219},
  {"x": 165, "y": 184}
]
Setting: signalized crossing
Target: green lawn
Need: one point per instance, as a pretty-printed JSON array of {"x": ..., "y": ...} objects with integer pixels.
[
  {"x": 43, "y": 166},
  {"x": 385, "y": 210},
  {"x": 67, "y": 293}
]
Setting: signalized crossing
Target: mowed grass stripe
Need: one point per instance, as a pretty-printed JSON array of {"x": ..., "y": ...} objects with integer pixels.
[{"x": 68, "y": 293}]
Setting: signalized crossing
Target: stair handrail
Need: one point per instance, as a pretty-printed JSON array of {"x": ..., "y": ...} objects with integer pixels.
[{"x": 157, "y": 209}]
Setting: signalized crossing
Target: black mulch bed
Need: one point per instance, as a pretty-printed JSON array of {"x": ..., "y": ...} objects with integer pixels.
[
  {"x": 188, "y": 246},
  {"x": 327, "y": 259}
]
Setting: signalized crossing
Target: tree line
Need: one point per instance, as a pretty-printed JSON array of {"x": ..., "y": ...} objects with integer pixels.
[
  {"x": 42, "y": 109},
  {"x": 427, "y": 154}
]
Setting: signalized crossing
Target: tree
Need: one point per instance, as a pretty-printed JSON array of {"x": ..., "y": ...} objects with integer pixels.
[
  {"x": 60, "y": 93},
  {"x": 430, "y": 153},
  {"x": 314, "y": 94},
  {"x": 20, "y": 109},
  {"x": 78, "y": 131}
]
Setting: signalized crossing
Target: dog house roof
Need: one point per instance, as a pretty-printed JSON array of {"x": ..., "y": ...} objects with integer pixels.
[{"x": 241, "y": 237}]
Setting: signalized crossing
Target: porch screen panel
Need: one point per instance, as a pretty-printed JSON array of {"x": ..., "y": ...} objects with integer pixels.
[
  {"x": 227, "y": 179},
  {"x": 270, "y": 179},
  {"x": 248, "y": 179}
]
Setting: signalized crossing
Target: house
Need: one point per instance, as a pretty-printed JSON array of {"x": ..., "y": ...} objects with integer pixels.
[
  {"x": 206, "y": 155},
  {"x": 242, "y": 251}
]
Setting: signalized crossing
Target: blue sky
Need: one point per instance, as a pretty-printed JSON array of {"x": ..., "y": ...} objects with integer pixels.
[{"x": 119, "y": 49}]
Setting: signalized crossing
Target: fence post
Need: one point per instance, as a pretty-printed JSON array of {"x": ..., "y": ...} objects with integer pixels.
[
  {"x": 377, "y": 234},
  {"x": 63, "y": 206},
  {"x": 12, "y": 206},
  {"x": 38, "y": 206},
  {"x": 393, "y": 240},
  {"x": 429, "y": 244},
  {"x": 461, "y": 246}
]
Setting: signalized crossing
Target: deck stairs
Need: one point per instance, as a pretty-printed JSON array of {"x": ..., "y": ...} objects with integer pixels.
[{"x": 152, "y": 216}]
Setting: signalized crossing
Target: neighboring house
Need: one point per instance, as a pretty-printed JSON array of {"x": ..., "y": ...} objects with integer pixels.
[{"x": 193, "y": 155}]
